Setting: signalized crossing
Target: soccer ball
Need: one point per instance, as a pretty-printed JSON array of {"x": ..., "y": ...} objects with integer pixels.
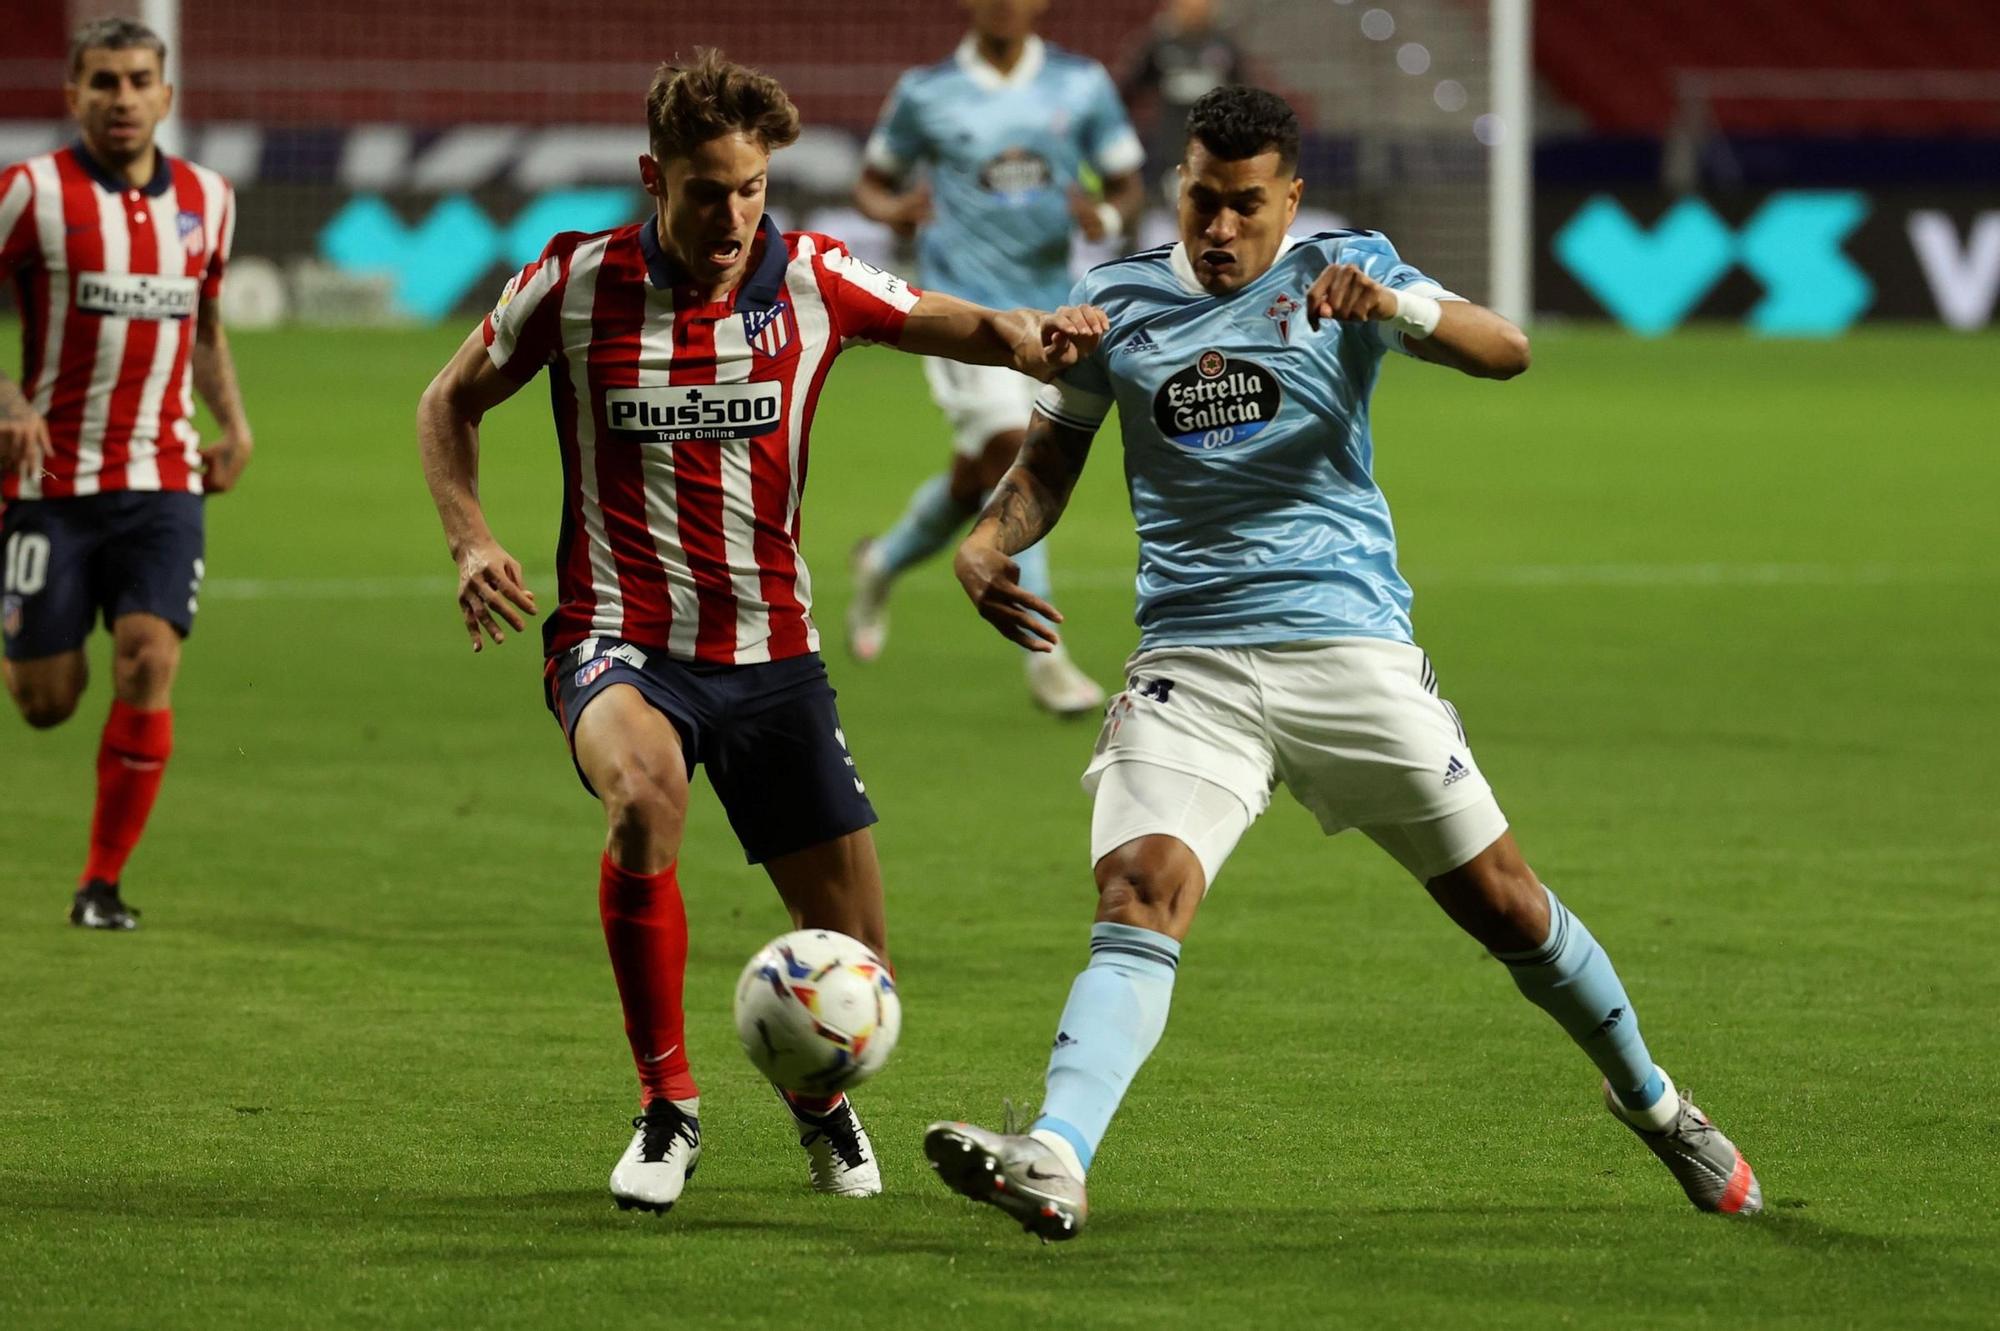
[{"x": 817, "y": 1012}]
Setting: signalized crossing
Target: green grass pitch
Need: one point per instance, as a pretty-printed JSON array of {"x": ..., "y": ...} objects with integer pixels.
[{"x": 1720, "y": 616}]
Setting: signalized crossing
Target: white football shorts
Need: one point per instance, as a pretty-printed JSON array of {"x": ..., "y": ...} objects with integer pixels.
[
  {"x": 1354, "y": 727},
  {"x": 980, "y": 401}
]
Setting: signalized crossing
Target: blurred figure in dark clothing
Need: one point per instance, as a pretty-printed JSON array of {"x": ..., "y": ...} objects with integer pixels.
[{"x": 1187, "y": 54}]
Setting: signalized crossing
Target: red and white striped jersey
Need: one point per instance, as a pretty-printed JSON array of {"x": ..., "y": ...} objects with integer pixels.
[
  {"x": 108, "y": 279},
  {"x": 685, "y": 426}
]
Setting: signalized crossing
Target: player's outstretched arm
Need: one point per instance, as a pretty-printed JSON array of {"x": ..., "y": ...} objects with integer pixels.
[
  {"x": 1038, "y": 344},
  {"x": 1024, "y": 508},
  {"x": 1457, "y": 333},
  {"x": 448, "y": 416},
  {"x": 24, "y": 435},
  {"x": 215, "y": 379}
]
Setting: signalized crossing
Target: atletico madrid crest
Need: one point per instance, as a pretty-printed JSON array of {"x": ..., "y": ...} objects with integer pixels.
[{"x": 769, "y": 332}]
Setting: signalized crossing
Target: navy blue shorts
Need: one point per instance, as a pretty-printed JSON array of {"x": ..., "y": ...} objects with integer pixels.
[
  {"x": 70, "y": 561},
  {"x": 768, "y": 733}
]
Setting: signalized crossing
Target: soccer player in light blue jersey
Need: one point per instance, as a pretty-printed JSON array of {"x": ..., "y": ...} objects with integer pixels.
[
  {"x": 1275, "y": 645},
  {"x": 1006, "y": 127}
]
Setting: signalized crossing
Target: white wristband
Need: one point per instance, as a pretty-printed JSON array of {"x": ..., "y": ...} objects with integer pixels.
[
  {"x": 1113, "y": 220},
  {"x": 1416, "y": 315}
]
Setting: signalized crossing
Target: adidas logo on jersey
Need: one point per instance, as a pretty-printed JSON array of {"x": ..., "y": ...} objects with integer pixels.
[
  {"x": 1455, "y": 770},
  {"x": 1143, "y": 341}
]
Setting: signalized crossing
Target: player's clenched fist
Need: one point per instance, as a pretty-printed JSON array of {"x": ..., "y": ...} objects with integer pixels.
[
  {"x": 1345, "y": 292},
  {"x": 1066, "y": 336},
  {"x": 489, "y": 584},
  {"x": 24, "y": 439}
]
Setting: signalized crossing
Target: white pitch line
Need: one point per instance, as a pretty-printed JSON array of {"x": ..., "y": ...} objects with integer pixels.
[{"x": 408, "y": 587}]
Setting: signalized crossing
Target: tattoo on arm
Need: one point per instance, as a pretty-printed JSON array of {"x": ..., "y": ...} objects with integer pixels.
[{"x": 1032, "y": 495}]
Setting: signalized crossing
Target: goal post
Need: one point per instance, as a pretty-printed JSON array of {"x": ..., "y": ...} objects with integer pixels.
[{"x": 1511, "y": 175}]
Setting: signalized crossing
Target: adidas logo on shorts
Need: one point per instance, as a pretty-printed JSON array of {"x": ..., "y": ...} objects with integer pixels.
[{"x": 1454, "y": 770}]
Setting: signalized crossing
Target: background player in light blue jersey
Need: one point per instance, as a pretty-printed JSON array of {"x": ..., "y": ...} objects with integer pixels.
[
  {"x": 1275, "y": 645},
  {"x": 1004, "y": 128}
]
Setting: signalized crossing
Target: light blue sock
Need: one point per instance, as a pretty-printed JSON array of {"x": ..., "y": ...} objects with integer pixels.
[
  {"x": 1117, "y": 1009},
  {"x": 929, "y": 521},
  {"x": 1570, "y": 978},
  {"x": 1034, "y": 562}
]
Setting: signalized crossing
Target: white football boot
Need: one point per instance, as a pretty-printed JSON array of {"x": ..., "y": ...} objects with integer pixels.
[
  {"x": 1058, "y": 686},
  {"x": 661, "y": 1159},
  {"x": 838, "y": 1149},
  {"x": 868, "y": 606},
  {"x": 1019, "y": 1173}
]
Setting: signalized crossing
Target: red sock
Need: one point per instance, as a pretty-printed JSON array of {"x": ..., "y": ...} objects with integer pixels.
[
  {"x": 645, "y": 928},
  {"x": 131, "y": 759},
  {"x": 819, "y": 1106}
]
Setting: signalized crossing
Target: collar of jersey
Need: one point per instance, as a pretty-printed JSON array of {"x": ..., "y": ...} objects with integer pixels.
[
  {"x": 759, "y": 290},
  {"x": 163, "y": 172},
  {"x": 1184, "y": 268},
  {"x": 989, "y": 79}
]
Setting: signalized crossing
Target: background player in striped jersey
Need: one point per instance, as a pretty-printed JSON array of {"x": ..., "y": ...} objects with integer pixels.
[
  {"x": 686, "y": 354},
  {"x": 1005, "y": 127},
  {"x": 117, "y": 252},
  {"x": 1242, "y": 361}
]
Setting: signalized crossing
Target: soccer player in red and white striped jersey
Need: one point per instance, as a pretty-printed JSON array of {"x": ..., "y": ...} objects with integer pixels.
[
  {"x": 685, "y": 357},
  {"x": 117, "y": 252}
]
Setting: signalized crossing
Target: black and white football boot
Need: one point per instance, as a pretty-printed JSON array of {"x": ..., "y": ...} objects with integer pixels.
[
  {"x": 96, "y": 906},
  {"x": 838, "y": 1150},
  {"x": 666, "y": 1146}
]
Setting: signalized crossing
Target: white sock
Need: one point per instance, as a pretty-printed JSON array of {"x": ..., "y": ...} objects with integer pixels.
[
  {"x": 1065, "y": 1153},
  {"x": 1657, "y": 1117}
]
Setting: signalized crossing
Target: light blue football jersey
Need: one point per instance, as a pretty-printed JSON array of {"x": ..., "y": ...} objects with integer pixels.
[
  {"x": 1003, "y": 153},
  {"x": 1247, "y": 449}
]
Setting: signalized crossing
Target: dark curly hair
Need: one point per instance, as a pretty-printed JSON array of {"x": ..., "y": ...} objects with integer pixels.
[
  {"x": 1236, "y": 122},
  {"x": 691, "y": 103}
]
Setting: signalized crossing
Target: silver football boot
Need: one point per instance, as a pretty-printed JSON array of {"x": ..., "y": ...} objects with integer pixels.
[
  {"x": 1705, "y": 1163},
  {"x": 1012, "y": 1171}
]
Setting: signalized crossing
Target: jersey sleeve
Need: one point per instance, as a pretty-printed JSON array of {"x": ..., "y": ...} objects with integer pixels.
[
  {"x": 897, "y": 143},
  {"x": 864, "y": 303},
  {"x": 1108, "y": 138},
  {"x": 225, "y": 241},
  {"x": 1372, "y": 253},
  {"x": 1081, "y": 396},
  {"x": 524, "y": 332},
  {"x": 19, "y": 245}
]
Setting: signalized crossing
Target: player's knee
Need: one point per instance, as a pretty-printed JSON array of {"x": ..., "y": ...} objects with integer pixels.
[
  {"x": 967, "y": 484},
  {"x": 1500, "y": 902},
  {"x": 1148, "y": 889},
  {"x": 997, "y": 456},
  {"x": 45, "y": 709},
  {"x": 643, "y": 809},
  {"x": 145, "y": 665}
]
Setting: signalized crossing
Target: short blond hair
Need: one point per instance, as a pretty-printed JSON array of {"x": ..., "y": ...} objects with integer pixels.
[{"x": 690, "y": 104}]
